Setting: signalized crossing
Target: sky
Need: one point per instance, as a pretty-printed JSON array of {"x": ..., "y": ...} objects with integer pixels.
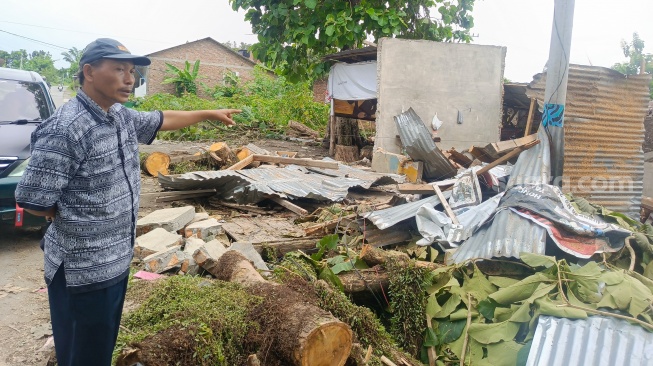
[{"x": 145, "y": 26}]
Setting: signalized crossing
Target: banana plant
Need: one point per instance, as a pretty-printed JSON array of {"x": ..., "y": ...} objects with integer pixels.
[{"x": 183, "y": 79}]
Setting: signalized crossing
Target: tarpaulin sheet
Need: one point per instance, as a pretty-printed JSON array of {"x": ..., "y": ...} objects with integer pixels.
[
  {"x": 574, "y": 232},
  {"x": 353, "y": 81}
]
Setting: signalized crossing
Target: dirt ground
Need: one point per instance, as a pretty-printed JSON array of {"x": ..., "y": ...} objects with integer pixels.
[{"x": 24, "y": 311}]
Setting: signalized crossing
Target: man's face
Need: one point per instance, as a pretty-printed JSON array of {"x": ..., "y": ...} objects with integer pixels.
[{"x": 111, "y": 82}]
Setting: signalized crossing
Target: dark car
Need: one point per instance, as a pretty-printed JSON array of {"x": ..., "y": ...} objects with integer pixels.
[{"x": 25, "y": 101}]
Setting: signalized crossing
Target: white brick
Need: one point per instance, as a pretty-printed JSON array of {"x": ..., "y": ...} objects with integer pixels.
[
  {"x": 166, "y": 260},
  {"x": 170, "y": 219},
  {"x": 206, "y": 230},
  {"x": 192, "y": 245},
  {"x": 155, "y": 241},
  {"x": 200, "y": 216}
]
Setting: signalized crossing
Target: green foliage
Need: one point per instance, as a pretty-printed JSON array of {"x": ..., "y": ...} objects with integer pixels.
[
  {"x": 504, "y": 312},
  {"x": 183, "y": 79},
  {"x": 408, "y": 300},
  {"x": 216, "y": 311},
  {"x": 634, "y": 51},
  {"x": 73, "y": 56},
  {"x": 294, "y": 35},
  {"x": 267, "y": 103},
  {"x": 37, "y": 61}
]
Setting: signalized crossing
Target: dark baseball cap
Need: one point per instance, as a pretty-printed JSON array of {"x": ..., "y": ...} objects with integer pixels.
[{"x": 111, "y": 49}]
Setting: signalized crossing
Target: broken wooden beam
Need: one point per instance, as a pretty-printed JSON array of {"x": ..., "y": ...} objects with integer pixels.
[
  {"x": 507, "y": 157},
  {"x": 235, "y": 206},
  {"x": 289, "y": 205},
  {"x": 296, "y": 161},
  {"x": 242, "y": 164}
]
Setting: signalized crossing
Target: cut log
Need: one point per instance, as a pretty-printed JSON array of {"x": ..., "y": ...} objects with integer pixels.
[
  {"x": 375, "y": 256},
  {"x": 364, "y": 280},
  {"x": 318, "y": 338},
  {"x": 347, "y": 154},
  {"x": 242, "y": 164},
  {"x": 303, "y": 129},
  {"x": 300, "y": 162},
  {"x": 224, "y": 153},
  {"x": 281, "y": 247},
  {"x": 155, "y": 163}
]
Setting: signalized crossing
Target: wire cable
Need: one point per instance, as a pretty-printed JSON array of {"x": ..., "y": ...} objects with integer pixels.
[{"x": 35, "y": 40}]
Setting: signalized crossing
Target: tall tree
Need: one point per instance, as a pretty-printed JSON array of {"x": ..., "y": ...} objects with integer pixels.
[
  {"x": 294, "y": 34},
  {"x": 638, "y": 61},
  {"x": 73, "y": 56}
]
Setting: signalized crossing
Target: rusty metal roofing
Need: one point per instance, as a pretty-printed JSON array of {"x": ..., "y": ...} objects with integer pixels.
[
  {"x": 419, "y": 145},
  {"x": 292, "y": 182},
  {"x": 595, "y": 341},
  {"x": 389, "y": 217},
  {"x": 507, "y": 235},
  {"x": 604, "y": 132},
  {"x": 355, "y": 55}
]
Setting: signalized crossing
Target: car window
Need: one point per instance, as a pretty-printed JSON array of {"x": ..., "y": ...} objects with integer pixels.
[{"x": 22, "y": 100}]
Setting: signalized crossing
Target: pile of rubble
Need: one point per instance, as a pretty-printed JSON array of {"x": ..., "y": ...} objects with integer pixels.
[{"x": 458, "y": 215}]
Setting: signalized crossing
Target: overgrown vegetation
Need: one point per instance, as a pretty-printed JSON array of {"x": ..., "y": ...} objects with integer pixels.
[
  {"x": 267, "y": 104},
  {"x": 184, "y": 80},
  {"x": 213, "y": 314}
]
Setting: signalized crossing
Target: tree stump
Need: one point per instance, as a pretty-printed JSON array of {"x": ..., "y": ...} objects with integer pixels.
[
  {"x": 226, "y": 156},
  {"x": 155, "y": 163},
  {"x": 347, "y": 154}
]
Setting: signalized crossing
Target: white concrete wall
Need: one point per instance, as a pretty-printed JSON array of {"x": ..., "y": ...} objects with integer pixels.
[{"x": 442, "y": 78}]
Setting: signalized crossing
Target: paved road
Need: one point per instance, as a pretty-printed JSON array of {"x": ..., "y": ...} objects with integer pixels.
[{"x": 60, "y": 97}]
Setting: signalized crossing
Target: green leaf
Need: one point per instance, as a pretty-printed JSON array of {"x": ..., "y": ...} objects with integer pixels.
[
  {"x": 478, "y": 286},
  {"x": 586, "y": 282},
  {"x": 556, "y": 308},
  {"x": 329, "y": 242},
  {"x": 342, "y": 267},
  {"x": 522, "y": 355},
  {"x": 536, "y": 260},
  {"x": 504, "y": 353},
  {"x": 448, "y": 307},
  {"x": 327, "y": 275},
  {"x": 493, "y": 332},
  {"x": 521, "y": 290},
  {"x": 330, "y": 29},
  {"x": 311, "y": 4},
  {"x": 430, "y": 338},
  {"x": 432, "y": 306},
  {"x": 502, "y": 281},
  {"x": 630, "y": 295},
  {"x": 487, "y": 307},
  {"x": 335, "y": 260},
  {"x": 449, "y": 331}
]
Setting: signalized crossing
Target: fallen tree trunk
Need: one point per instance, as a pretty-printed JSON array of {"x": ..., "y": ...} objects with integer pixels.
[
  {"x": 303, "y": 129},
  {"x": 299, "y": 332},
  {"x": 364, "y": 280}
]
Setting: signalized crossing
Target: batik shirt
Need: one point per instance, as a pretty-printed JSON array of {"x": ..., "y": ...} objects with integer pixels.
[{"x": 85, "y": 163}]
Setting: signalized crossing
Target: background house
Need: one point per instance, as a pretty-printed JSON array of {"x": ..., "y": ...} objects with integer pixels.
[{"x": 215, "y": 60}]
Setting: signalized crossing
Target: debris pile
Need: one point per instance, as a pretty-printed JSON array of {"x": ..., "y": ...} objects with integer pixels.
[{"x": 479, "y": 251}]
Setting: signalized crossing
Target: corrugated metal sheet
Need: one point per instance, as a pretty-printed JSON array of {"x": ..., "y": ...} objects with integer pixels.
[
  {"x": 604, "y": 132},
  {"x": 507, "y": 235},
  {"x": 384, "y": 219},
  {"x": 292, "y": 182},
  {"x": 419, "y": 145},
  {"x": 595, "y": 341}
]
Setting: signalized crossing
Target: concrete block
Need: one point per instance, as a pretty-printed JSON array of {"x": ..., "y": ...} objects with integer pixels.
[
  {"x": 200, "y": 216},
  {"x": 206, "y": 230},
  {"x": 386, "y": 162},
  {"x": 166, "y": 260},
  {"x": 155, "y": 241},
  {"x": 170, "y": 219},
  {"x": 207, "y": 255},
  {"x": 247, "y": 250},
  {"x": 192, "y": 245}
]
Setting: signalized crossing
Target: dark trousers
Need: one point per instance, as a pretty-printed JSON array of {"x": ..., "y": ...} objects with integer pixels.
[{"x": 85, "y": 325}]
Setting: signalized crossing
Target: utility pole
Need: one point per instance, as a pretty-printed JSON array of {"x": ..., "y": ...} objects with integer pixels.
[{"x": 555, "y": 93}]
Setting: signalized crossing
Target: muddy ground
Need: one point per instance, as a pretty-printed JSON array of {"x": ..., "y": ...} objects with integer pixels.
[{"x": 24, "y": 311}]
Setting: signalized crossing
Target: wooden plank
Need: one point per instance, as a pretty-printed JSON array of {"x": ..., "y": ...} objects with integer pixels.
[
  {"x": 459, "y": 158},
  {"x": 529, "y": 120},
  {"x": 507, "y": 157},
  {"x": 243, "y": 163},
  {"x": 235, "y": 206},
  {"x": 295, "y": 161},
  {"x": 182, "y": 197},
  {"x": 409, "y": 188},
  {"x": 445, "y": 204},
  {"x": 287, "y": 204},
  {"x": 503, "y": 147}
]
